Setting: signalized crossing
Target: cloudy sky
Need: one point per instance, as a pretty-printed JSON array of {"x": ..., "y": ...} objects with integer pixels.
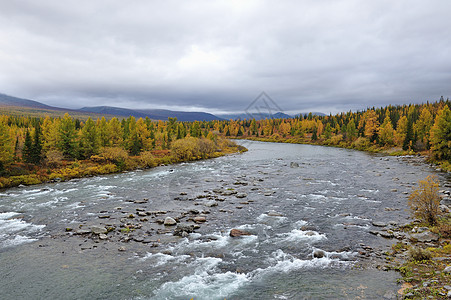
[{"x": 217, "y": 56}]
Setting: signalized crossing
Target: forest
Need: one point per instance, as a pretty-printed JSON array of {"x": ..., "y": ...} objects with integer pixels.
[{"x": 35, "y": 150}]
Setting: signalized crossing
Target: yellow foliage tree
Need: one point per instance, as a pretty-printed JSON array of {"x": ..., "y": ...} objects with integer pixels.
[{"x": 424, "y": 202}]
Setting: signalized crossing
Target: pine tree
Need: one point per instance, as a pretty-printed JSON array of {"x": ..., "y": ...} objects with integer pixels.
[
  {"x": 37, "y": 145},
  {"x": 27, "y": 148},
  {"x": 67, "y": 143}
]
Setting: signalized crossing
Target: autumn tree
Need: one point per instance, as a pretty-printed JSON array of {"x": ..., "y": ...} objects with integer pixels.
[
  {"x": 386, "y": 132},
  {"x": 441, "y": 135},
  {"x": 424, "y": 202},
  {"x": 423, "y": 127},
  {"x": 89, "y": 139},
  {"x": 6, "y": 153}
]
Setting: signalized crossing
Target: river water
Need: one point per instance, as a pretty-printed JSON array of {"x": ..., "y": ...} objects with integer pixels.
[{"x": 327, "y": 200}]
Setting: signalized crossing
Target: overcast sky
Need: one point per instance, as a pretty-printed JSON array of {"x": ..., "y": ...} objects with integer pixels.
[{"x": 216, "y": 56}]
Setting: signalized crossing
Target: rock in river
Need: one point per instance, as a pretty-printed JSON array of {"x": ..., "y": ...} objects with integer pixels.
[
  {"x": 200, "y": 219},
  {"x": 237, "y": 233},
  {"x": 273, "y": 213},
  {"x": 319, "y": 253},
  {"x": 98, "y": 230},
  {"x": 181, "y": 229},
  {"x": 169, "y": 221}
]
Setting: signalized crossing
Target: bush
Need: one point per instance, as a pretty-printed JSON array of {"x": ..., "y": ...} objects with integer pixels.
[
  {"x": 424, "y": 202},
  {"x": 418, "y": 254},
  {"x": 146, "y": 159},
  {"x": 361, "y": 143},
  {"x": 336, "y": 139},
  {"x": 114, "y": 154},
  {"x": 185, "y": 149}
]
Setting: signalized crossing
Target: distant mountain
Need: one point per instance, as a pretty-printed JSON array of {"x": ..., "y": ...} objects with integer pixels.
[
  {"x": 35, "y": 108},
  {"x": 6, "y": 100},
  {"x": 154, "y": 114}
]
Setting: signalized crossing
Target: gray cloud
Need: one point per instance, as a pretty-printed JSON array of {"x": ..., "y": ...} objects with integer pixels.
[{"x": 219, "y": 55}]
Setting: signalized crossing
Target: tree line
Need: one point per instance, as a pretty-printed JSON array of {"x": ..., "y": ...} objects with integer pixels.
[{"x": 47, "y": 141}]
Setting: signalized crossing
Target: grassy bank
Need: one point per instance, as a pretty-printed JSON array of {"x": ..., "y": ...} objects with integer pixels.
[{"x": 107, "y": 162}]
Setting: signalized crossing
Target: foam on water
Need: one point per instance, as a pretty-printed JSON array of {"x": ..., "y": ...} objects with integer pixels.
[
  {"x": 297, "y": 235},
  {"x": 15, "y": 231},
  {"x": 159, "y": 259},
  {"x": 205, "y": 283}
]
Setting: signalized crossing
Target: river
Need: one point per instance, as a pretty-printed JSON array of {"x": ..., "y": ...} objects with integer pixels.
[{"x": 294, "y": 200}]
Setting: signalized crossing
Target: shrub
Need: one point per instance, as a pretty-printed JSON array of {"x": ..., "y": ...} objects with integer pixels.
[
  {"x": 361, "y": 143},
  {"x": 185, "y": 149},
  {"x": 146, "y": 159},
  {"x": 206, "y": 147},
  {"x": 444, "y": 230},
  {"x": 114, "y": 154},
  {"x": 336, "y": 139},
  {"x": 424, "y": 202},
  {"x": 419, "y": 254}
]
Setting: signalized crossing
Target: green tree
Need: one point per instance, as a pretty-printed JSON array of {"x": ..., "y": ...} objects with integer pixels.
[
  {"x": 351, "y": 130},
  {"x": 27, "y": 151},
  {"x": 67, "y": 142}
]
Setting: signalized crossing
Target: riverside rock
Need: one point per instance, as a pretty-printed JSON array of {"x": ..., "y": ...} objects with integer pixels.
[
  {"x": 169, "y": 221},
  {"x": 424, "y": 237}
]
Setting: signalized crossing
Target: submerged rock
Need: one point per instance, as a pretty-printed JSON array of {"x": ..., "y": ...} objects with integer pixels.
[
  {"x": 273, "y": 213},
  {"x": 294, "y": 165},
  {"x": 237, "y": 232},
  {"x": 241, "y": 195}
]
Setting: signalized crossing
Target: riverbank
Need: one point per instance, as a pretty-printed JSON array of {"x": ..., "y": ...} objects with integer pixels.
[{"x": 106, "y": 163}]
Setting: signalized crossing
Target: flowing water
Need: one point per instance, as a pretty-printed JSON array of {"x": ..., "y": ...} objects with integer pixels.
[{"x": 326, "y": 201}]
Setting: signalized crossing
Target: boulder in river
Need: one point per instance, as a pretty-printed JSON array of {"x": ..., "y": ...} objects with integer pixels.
[
  {"x": 169, "y": 221},
  {"x": 181, "y": 229},
  {"x": 319, "y": 253},
  {"x": 200, "y": 219},
  {"x": 241, "y": 195},
  {"x": 294, "y": 165},
  {"x": 237, "y": 232}
]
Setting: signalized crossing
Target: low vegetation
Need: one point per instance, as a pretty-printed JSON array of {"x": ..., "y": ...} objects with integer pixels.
[{"x": 424, "y": 271}]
